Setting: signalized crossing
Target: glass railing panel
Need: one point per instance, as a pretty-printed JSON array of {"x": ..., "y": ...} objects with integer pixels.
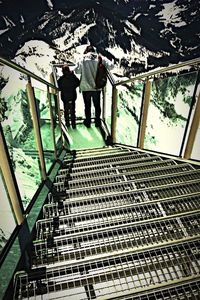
[
  {"x": 195, "y": 151},
  {"x": 108, "y": 105},
  {"x": 43, "y": 110},
  {"x": 128, "y": 112},
  {"x": 18, "y": 131},
  {"x": 168, "y": 112},
  {"x": 57, "y": 128},
  {"x": 7, "y": 220}
]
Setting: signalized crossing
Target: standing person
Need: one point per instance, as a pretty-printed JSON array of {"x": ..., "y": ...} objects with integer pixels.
[
  {"x": 67, "y": 84},
  {"x": 87, "y": 67}
]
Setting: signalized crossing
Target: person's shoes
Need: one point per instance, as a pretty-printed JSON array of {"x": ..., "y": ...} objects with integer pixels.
[
  {"x": 87, "y": 124},
  {"x": 97, "y": 123},
  {"x": 74, "y": 126}
]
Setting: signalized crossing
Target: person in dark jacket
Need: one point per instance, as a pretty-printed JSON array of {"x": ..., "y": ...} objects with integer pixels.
[{"x": 67, "y": 84}]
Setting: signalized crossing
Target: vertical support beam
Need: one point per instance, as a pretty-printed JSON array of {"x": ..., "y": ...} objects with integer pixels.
[
  {"x": 31, "y": 98},
  {"x": 193, "y": 131},
  {"x": 52, "y": 81},
  {"x": 52, "y": 122},
  {"x": 146, "y": 101},
  {"x": 104, "y": 103},
  {"x": 114, "y": 114},
  {"x": 56, "y": 93},
  {"x": 8, "y": 178}
]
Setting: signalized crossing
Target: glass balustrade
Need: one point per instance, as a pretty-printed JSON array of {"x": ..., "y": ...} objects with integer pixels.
[
  {"x": 128, "y": 112},
  {"x": 56, "y": 125},
  {"x": 7, "y": 220},
  {"x": 169, "y": 107},
  {"x": 195, "y": 151},
  {"x": 18, "y": 131},
  {"x": 108, "y": 105},
  {"x": 43, "y": 110}
]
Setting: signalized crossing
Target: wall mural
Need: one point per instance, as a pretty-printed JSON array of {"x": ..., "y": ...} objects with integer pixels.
[{"x": 138, "y": 35}]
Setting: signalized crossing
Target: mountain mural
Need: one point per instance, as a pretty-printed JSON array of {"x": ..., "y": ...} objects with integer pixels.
[{"x": 137, "y": 34}]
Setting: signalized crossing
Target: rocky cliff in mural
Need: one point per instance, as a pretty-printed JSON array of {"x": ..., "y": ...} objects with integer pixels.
[{"x": 138, "y": 34}]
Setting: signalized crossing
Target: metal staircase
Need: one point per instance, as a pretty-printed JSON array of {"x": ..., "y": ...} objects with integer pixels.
[{"x": 118, "y": 224}]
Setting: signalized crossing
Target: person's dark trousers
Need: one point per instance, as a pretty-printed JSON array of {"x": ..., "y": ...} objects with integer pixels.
[
  {"x": 70, "y": 110},
  {"x": 95, "y": 97}
]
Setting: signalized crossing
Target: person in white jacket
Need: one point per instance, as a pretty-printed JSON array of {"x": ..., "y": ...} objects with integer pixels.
[{"x": 87, "y": 67}]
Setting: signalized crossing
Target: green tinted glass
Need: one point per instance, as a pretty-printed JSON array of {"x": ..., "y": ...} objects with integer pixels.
[
  {"x": 43, "y": 110},
  {"x": 196, "y": 149},
  {"x": 7, "y": 220},
  {"x": 57, "y": 128},
  {"x": 168, "y": 112},
  {"x": 18, "y": 131},
  {"x": 128, "y": 112},
  {"x": 108, "y": 105}
]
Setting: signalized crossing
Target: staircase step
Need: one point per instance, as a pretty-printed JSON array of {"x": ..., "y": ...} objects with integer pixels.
[
  {"x": 107, "y": 160},
  {"x": 173, "y": 202},
  {"x": 110, "y": 217},
  {"x": 105, "y": 242},
  {"x": 102, "y": 152},
  {"x": 116, "y": 275},
  {"x": 127, "y": 176},
  {"x": 136, "y": 185},
  {"x": 106, "y": 171},
  {"x": 118, "y": 224},
  {"x": 137, "y": 161}
]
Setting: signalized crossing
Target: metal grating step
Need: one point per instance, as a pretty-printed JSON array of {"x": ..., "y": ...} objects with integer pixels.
[
  {"x": 187, "y": 291},
  {"x": 102, "y": 154},
  {"x": 107, "y": 171},
  {"x": 105, "y": 149},
  {"x": 113, "y": 188},
  {"x": 170, "y": 205},
  {"x": 91, "y": 168},
  {"x": 96, "y": 181},
  {"x": 70, "y": 247},
  {"x": 128, "y": 197},
  {"x": 109, "y": 160},
  {"x": 117, "y": 227},
  {"x": 112, "y": 217},
  {"x": 113, "y": 276}
]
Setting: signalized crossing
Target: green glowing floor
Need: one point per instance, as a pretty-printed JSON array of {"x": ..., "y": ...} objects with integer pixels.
[{"x": 84, "y": 138}]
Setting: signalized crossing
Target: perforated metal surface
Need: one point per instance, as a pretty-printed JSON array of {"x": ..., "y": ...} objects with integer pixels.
[
  {"x": 130, "y": 234},
  {"x": 109, "y": 170},
  {"x": 125, "y": 238},
  {"x": 172, "y": 202},
  {"x": 113, "y": 276},
  {"x": 126, "y": 176},
  {"x": 132, "y": 185}
]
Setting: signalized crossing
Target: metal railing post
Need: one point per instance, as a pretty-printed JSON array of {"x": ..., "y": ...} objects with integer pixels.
[
  {"x": 193, "y": 131},
  {"x": 146, "y": 101},
  {"x": 56, "y": 93},
  {"x": 10, "y": 185},
  {"x": 114, "y": 114},
  {"x": 31, "y": 98},
  {"x": 52, "y": 122},
  {"x": 104, "y": 103}
]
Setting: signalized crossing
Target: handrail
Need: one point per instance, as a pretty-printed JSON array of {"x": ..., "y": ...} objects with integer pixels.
[
  {"x": 161, "y": 70},
  {"x": 15, "y": 66}
]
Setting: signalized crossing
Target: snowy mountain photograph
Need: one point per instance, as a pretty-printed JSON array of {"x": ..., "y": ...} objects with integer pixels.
[{"x": 137, "y": 34}]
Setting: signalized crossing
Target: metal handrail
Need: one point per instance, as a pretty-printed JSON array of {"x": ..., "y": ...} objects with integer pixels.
[
  {"x": 160, "y": 71},
  {"x": 15, "y": 66}
]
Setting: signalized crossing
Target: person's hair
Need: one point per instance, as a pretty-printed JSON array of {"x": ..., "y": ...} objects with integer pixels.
[
  {"x": 65, "y": 69},
  {"x": 88, "y": 49}
]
